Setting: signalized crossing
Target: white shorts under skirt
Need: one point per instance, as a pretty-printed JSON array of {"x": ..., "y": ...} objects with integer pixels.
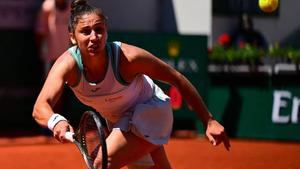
[{"x": 152, "y": 121}]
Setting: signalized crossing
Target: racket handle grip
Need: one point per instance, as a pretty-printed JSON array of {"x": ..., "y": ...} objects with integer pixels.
[{"x": 69, "y": 136}]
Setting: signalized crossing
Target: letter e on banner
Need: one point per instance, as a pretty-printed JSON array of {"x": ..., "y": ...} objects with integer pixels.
[{"x": 279, "y": 103}]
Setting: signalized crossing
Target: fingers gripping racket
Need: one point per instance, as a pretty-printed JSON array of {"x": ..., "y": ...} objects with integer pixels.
[{"x": 90, "y": 138}]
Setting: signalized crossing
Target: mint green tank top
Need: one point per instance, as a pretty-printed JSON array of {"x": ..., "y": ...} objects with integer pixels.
[{"x": 113, "y": 98}]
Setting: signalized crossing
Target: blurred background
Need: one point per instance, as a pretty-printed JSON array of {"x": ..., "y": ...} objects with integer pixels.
[{"x": 244, "y": 62}]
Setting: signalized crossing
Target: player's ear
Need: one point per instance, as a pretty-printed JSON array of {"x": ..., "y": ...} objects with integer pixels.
[{"x": 72, "y": 38}]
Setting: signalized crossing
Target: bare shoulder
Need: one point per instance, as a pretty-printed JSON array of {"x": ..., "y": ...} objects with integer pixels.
[
  {"x": 66, "y": 66},
  {"x": 136, "y": 60},
  {"x": 130, "y": 57},
  {"x": 66, "y": 60},
  {"x": 132, "y": 52}
]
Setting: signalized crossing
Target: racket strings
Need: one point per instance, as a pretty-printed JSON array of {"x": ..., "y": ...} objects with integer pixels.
[{"x": 92, "y": 138}]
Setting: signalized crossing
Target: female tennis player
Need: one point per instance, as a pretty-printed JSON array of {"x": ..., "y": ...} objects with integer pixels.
[{"x": 116, "y": 80}]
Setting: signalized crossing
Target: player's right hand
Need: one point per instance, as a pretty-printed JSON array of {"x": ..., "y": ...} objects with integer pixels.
[{"x": 60, "y": 129}]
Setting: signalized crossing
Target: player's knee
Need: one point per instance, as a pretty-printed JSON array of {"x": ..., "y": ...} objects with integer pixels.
[
  {"x": 98, "y": 163},
  {"x": 113, "y": 163}
]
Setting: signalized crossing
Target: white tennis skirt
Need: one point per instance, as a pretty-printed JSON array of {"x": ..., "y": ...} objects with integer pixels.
[{"x": 151, "y": 120}]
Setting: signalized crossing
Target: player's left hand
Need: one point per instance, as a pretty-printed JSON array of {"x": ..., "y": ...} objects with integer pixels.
[{"x": 215, "y": 133}]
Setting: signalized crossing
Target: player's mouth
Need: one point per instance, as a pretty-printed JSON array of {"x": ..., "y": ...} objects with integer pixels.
[{"x": 93, "y": 48}]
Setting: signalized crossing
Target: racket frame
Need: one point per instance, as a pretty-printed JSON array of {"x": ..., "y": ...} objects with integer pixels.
[{"x": 80, "y": 141}]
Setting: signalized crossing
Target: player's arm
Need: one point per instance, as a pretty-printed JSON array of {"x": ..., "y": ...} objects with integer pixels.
[
  {"x": 140, "y": 61},
  {"x": 51, "y": 91},
  {"x": 143, "y": 62}
]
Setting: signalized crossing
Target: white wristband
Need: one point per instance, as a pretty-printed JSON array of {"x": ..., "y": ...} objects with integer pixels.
[{"x": 54, "y": 119}]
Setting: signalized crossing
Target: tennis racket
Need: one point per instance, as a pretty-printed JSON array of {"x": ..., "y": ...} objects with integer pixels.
[{"x": 90, "y": 138}]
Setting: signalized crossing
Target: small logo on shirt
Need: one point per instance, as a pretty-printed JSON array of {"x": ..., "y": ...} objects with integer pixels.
[{"x": 113, "y": 99}]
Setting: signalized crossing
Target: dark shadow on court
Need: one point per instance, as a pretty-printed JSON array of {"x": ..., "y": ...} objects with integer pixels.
[{"x": 232, "y": 112}]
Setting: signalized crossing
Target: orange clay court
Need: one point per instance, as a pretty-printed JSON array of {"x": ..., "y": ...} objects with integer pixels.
[{"x": 36, "y": 152}]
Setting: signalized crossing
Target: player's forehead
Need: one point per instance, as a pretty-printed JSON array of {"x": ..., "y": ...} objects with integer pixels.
[{"x": 90, "y": 19}]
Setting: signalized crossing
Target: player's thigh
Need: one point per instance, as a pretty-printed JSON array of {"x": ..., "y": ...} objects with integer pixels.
[
  {"x": 160, "y": 158},
  {"x": 125, "y": 147}
]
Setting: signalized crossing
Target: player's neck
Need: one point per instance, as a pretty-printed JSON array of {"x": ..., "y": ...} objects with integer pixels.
[{"x": 95, "y": 68}]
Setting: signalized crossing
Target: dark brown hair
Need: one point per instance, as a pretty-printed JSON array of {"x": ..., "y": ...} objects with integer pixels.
[{"x": 79, "y": 8}]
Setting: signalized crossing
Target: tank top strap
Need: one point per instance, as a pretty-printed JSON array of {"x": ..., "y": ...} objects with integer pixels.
[
  {"x": 115, "y": 61},
  {"x": 113, "y": 49},
  {"x": 75, "y": 53}
]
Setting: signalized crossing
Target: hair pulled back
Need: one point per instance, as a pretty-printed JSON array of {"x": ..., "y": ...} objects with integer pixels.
[{"x": 79, "y": 8}]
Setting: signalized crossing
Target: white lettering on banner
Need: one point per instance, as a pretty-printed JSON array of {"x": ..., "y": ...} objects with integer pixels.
[
  {"x": 295, "y": 110},
  {"x": 277, "y": 104},
  {"x": 184, "y": 65},
  {"x": 281, "y": 101}
]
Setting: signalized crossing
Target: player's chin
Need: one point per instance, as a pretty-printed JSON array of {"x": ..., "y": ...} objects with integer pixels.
[{"x": 93, "y": 52}]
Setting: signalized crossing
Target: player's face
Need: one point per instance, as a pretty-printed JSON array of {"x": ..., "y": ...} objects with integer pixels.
[{"x": 90, "y": 34}]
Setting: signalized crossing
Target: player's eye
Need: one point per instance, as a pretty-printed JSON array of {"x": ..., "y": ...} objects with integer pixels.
[
  {"x": 86, "y": 31},
  {"x": 98, "y": 30}
]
